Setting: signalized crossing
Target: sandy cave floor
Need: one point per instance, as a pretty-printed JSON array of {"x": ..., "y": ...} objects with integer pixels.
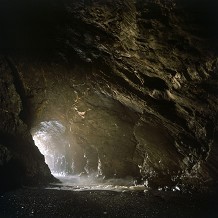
[{"x": 56, "y": 202}]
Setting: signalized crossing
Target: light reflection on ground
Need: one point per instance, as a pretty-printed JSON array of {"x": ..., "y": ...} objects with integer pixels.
[{"x": 85, "y": 183}]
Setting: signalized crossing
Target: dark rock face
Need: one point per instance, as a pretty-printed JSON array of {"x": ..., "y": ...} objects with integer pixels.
[
  {"x": 20, "y": 161},
  {"x": 133, "y": 82}
]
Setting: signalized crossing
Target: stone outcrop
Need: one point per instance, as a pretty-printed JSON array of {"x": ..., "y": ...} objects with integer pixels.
[
  {"x": 20, "y": 160},
  {"x": 133, "y": 82}
]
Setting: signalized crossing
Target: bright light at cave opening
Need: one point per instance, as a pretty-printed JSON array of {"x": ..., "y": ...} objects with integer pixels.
[
  {"x": 49, "y": 138},
  {"x": 40, "y": 141}
]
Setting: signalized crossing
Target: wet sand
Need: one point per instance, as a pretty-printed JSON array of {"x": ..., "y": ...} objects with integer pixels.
[{"x": 39, "y": 202}]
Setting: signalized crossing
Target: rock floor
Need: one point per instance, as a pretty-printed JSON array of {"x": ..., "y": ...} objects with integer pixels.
[{"x": 38, "y": 202}]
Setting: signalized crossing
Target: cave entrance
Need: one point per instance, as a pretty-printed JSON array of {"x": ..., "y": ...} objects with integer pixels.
[{"x": 50, "y": 138}]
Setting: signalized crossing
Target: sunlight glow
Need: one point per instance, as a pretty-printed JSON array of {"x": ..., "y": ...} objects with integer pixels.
[{"x": 49, "y": 138}]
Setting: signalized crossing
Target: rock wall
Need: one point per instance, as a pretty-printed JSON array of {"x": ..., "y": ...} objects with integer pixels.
[
  {"x": 133, "y": 82},
  {"x": 20, "y": 161}
]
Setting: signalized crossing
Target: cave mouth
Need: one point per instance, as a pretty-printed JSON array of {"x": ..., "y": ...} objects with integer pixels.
[
  {"x": 49, "y": 137},
  {"x": 52, "y": 140}
]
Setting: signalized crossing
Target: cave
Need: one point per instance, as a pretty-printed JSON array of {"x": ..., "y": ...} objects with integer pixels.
[
  {"x": 50, "y": 139},
  {"x": 109, "y": 101}
]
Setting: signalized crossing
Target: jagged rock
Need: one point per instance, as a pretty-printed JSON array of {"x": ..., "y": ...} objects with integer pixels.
[
  {"x": 20, "y": 161},
  {"x": 133, "y": 82}
]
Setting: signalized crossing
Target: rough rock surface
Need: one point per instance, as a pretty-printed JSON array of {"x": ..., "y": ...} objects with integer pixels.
[
  {"x": 20, "y": 160},
  {"x": 133, "y": 82}
]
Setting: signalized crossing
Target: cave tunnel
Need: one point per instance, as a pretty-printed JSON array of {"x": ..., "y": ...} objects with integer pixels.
[
  {"x": 49, "y": 138},
  {"x": 107, "y": 107}
]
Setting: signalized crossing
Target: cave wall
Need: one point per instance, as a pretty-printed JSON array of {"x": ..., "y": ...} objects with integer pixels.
[
  {"x": 20, "y": 160},
  {"x": 97, "y": 126},
  {"x": 134, "y": 83}
]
